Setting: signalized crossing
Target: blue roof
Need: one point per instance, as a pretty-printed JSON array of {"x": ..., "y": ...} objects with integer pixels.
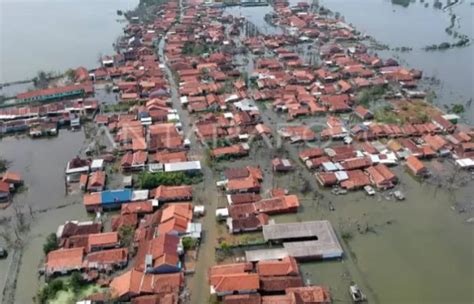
[{"x": 116, "y": 196}]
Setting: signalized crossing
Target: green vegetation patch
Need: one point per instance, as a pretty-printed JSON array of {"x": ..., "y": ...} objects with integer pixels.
[{"x": 147, "y": 180}]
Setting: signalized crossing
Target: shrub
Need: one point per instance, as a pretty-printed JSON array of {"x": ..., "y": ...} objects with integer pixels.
[
  {"x": 51, "y": 243},
  {"x": 49, "y": 291},
  {"x": 147, "y": 180},
  {"x": 189, "y": 243}
]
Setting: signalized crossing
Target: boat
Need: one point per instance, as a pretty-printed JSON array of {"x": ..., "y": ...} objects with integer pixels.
[
  {"x": 356, "y": 294},
  {"x": 398, "y": 195},
  {"x": 370, "y": 191}
]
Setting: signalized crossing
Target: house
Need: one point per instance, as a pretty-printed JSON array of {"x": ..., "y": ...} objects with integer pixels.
[
  {"x": 12, "y": 178},
  {"x": 74, "y": 228},
  {"x": 277, "y": 205},
  {"x": 159, "y": 255},
  {"x": 243, "y": 198},
  {"x": 381, "y": 176},
  {"x": 75, "y": 168},
  {"x": 286, "y": 266},
  {"x": 237, "y": 150},
  {"x": 356, "y": 179},
  {"x": 173, "y": 193},
  {"x": 363, "y": 113},
  {"x": 140, "y": 208},
  {"x": 4, "y": 191},
  {"x": 282, "y": 165},
  {"x": 253, "y": 298},
  {"x": 186, "y": 166},
  {"x": 124, "y": 220},
  {"x": 239, "y": 185},
  {"x": 134, "y": 283},
  {"x": 248, "y": 223},
  {"x": 107, "y": 259},
  {"x": 63, "y": 261},
  {"x": 96, "y": 181},
  {"x": 170, "y": 157},
  {"x": 309, "y": 295},
  {"x": 175, "y": 218},
  {"x": 416, "y": 167},
  {"x": 276, "y": 284},
  {"x": 234, "y": 283},
  {"x": 102, "y": 241},
  {"x": 134, "y": 161}
]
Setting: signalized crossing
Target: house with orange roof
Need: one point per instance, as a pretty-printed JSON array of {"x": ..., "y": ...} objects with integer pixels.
[
  {"x": 170, "y": 157},
  {"x": 246, "y": 184},
  {"x": 173, "y": 193},
  {"x": 4, "y": 192},
  {"x": 253, "y": 298},
  {"x": 107, "y": 259},
  {"x": 96, "y": 181},
  {"x": 381, "y": 176},
  {"x": 237, "y": 150},
  {"x": 12, "y": 178},
  {"x": 159, "y": 255},
  {"x": 63, "y": 261},
  {"x": 416, "y": 167},
  {"x": 251, "y": 222},
  {"x": 140, "y": 208},
  {"x": 135, "y": 283},
  {"x": 92, "y": 201},
  {"x": 175, "y": 218},
  {"x": 283, "y": 267},
  {"x": 102, "y": 241},
  {"x": 134, "y": 161},
  {"x": 235, "y": 283}
]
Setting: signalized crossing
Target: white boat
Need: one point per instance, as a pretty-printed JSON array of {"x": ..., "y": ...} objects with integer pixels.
[
  {"x": 370, "y": 191},
  {"x": 356, "y": 294}
]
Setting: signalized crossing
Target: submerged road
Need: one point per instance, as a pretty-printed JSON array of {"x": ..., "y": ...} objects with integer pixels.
[{"x": 206, "y": 192}]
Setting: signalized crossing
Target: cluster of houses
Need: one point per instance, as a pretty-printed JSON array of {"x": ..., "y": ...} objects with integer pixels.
[
  {"x": 247, "y": 210},
  {"x": 9, "y": 183},
  {"x": 270, "y": 281},
  {"x": 157, "y": 221},
  {"x": 45, "y": 120}
]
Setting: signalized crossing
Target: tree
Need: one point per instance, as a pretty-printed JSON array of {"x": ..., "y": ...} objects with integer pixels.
[
  {"x": 189, "y": 243},
  {"x": 76, "y": 282},
  {"x": 51, "y": 243},
  {"x": 126, "y": 234},
  {"x": 49, "y": 291}
]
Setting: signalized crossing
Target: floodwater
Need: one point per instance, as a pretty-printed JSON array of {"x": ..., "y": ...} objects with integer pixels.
[
  {"x": 255, "y": 15},
  {"x": 41, "y": 163},
  {"x": 54, "y": 35}
]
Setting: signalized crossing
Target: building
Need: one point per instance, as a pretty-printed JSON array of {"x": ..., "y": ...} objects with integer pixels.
[
  {"x": 45, "y": 95},
  {"x": 63, "y": 261},
  {"x": 159, "y": 255},
  {"x": 107, "y": 259},
  {"x": 416, "y": 167},
  {"x": 134, "y": 283},
  {"x": 313, "y": 240},
  {"x": 173, "y": 193},
  {"x": 282, "y": 165}
]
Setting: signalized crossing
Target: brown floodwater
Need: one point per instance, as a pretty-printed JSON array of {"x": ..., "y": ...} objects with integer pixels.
[{"x": 41, "y": 163}]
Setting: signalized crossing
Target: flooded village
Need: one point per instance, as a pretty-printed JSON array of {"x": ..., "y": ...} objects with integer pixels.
[{"x": 237, "y": 152}]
